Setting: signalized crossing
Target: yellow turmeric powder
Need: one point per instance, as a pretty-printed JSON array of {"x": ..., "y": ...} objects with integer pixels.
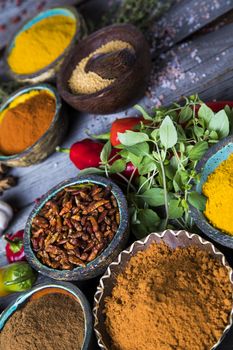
[
  {"x": 40, "y": 45},
  {"x": 219, "y": 192}
]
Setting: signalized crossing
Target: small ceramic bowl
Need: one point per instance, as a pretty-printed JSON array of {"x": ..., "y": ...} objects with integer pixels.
[
  {"x": 49, "y": 72},
  {"x": 173, "y": 239},
  {"x": 97, "y": 266},
  {"x": 124, "y": 90},
  {"x": 51, "y": 138},
  {"x": 211, "y": 160},
  {"x": 43, "y": 289}
]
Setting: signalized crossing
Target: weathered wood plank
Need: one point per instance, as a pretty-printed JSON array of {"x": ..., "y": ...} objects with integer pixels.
[
  {"x": 184, "y": 19},
  {"x": 202, "y": 65}
]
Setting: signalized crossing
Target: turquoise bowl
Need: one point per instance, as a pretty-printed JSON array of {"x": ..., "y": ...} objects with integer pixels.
[
  {"x": 49, "y": 72},
  {"x": 47, "y": 143},
  {"x": 97, "y": 266},
  {"x": 63, "y": 288},
  {"x": 211, "y": 160}
]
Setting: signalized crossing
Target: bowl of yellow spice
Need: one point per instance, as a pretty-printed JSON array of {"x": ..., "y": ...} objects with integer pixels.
[
  {"x": 32, "y": 123},
  {"x": 39, "y": 47},
  {"x": 216, "y": 184}
]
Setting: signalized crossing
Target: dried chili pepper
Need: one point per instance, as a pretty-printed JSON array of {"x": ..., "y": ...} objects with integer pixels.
[{"x": 14, "y": 248}]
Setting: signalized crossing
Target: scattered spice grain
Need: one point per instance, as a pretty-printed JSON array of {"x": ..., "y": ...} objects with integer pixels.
[
  {"x": 75, "y": 226},
  {"x": 81, "y": 82},
  {"x": 219, "y": 192},
  {"x": 53, "y": 321},
  {"x": 26, "y": 119},
  {"x": 169, "y": 299}
]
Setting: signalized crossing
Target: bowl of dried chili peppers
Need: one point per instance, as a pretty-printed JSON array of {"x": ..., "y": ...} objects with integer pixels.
[
  {"x": 77, "y": 229},
  {"x": 32, "y": 123}
]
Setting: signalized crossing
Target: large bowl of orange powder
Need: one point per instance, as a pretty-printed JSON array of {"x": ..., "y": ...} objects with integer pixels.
[{"x": 32, "y": 124}]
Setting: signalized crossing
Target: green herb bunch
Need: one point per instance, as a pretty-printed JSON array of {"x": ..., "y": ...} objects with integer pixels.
[{"x": 165, "y": 149}]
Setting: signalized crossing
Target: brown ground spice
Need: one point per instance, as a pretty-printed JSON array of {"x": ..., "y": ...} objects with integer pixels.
[
  {"x": 52, "y": 322},
  {"x": 169, "y": 300}
]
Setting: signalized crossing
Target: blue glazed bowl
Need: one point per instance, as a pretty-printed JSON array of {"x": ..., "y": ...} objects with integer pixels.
[
  {"x": 42, "y": 289},
  {"x": 47, "y": 143},
  {"x": 97, "y": 266},
  {"x": 49, "y": 71},
  {"x": 211, "y": 160}
]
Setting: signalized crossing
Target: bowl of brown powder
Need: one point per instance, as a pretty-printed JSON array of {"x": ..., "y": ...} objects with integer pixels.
[
  {"x": 32, "y": 123},
  {"x": 171, "y": 290},
  {"x": 49, "y": 316}
]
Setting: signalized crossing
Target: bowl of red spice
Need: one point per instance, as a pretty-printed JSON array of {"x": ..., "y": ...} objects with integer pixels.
[
  {"x": 172, "y": 289},
  {"x": 77, "y": 229},
  {"x": 49, "y": 316},
  {"x": 32, "y": 123}
]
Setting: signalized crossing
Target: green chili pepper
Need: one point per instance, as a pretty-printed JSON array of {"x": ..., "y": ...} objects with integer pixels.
[{"x": 16, "y": 277}]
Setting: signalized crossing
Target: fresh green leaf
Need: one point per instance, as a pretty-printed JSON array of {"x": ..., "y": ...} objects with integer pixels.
[
  {"x": 146, "y": 166},
  {"x": 220, "y": 123},
  {"x": 131, "y": 138},
  {"x": 185, "y": 115},
  {"x": 154, "y": 197},
  {"x": 229, "y": 112},
  {"x": 198, "y": 150},
  {"x": 198, "y": 131},
  {"x": 118, "y": 166},
  {"x": 168, "y": 133},
  {"x": 148, "y": 221},
  {"x": 140, "y": 149},
  {"x": 105, "y": 153},
  {"x": 89, "y": 171},
  {"x": 197, "y": 200},
  {"x": 175, "y": 209},
  {"x": 143, "y": 183},
  {"x": 155, "y": 134},
  {"x": 143, "y": 112},
  {"x": 205, "y": 113},
  {"x": 214, "y": 135}
]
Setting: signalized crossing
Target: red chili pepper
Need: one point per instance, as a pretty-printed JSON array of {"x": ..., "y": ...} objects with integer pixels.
[
  {"x": 85, "y": 153},
  {"x": 129, "y": 169},
  {"x": 14, "y": 247},
  {"x": 121, "y": 125},
  {"x": 216, "y": 106}
]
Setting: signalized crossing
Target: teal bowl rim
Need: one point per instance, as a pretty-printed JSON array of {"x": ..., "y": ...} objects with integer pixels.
[
  {"x": 70, "y": 12},
  {"x": 200, "y": 220},
  {"x": 74, "y": 274},
  {"x": 23, "y": 91},
  {"x": 69, "y": 287}
]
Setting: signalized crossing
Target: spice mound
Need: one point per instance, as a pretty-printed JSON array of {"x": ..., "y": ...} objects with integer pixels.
[
  {"x": 75, "y": 226},
  {"x": 40, "y": 45},
  {"x": 169, "y": 299},
  {"x": 54, "y": 321},
  {"x": 82, "y": 82},
  {"x": 219, "y": 192},
  {"x": 25, "y": 120}
]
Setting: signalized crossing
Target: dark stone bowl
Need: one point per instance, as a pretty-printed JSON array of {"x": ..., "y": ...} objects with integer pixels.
[
  {"x": 98, "y": 265},
  {"x": 212, "y": 158},
  {"x": 58, "y": 287},
  {"x": 46, "y": 145},
  {"x": 122, "y": 92}
]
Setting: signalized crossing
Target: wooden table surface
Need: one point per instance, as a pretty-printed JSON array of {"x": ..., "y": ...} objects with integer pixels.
[{"x": 190, "y": 59}]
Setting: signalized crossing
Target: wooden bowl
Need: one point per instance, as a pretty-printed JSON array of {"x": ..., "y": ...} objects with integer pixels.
[
  {"x": 107, "y": 282},
  {"x": 97, "y": 266},
  {"x": 124, "y": 90},
  {"x": 47, "y": 143},
  {"x": 56, "y": 287},
  {"x": 48, "y": 73},
  {"x": 211, "y": 160}
]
